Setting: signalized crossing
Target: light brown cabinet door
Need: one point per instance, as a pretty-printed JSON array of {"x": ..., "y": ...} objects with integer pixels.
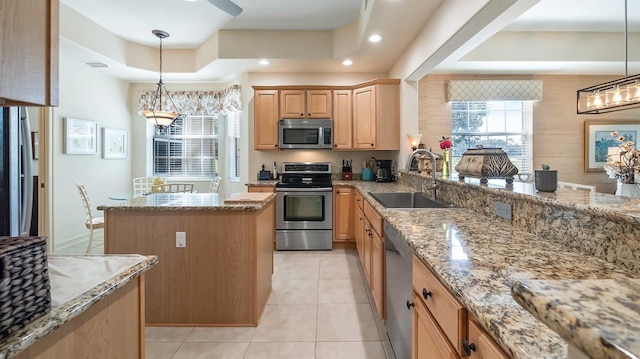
[
  {"x": 29, "y": 57},
  {"x": 343, "y": 213},
  {"x": 342, "y": 120},
  {"x": 265, "y": 113},
  {"x": 377, "y": 272},
  {"x": 428, "y": 341},
  {"x": 319, "y": 104},
  {"x": 359, "y": 232},
  {"x": 261, "y": 189},
  {"x": 366, "y": 250},
  {"x": 292, "y": 103},
  {"x": 364, "y": 118},
  {"x": 483, "y": 347}
]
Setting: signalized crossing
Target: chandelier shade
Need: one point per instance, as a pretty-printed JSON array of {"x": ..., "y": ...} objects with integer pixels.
[
  {"x": 161, "y": 118},
  {"x": 616, "y": 95}
]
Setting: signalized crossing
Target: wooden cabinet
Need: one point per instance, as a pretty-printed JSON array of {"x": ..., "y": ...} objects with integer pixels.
[
  {"x": 359, "y": 232},
  {"x": 376, "y": 117},
  {"x": 342, "y": 120},
  {"x": 266, "y": 115},
  {"x": 29, "y": 52},
  {"x": 377, "y": 271},
  {"x": 481, "y": 346},
  {"x": 427, "y": 340},
  {"x": 305, "y": 103},
  {"x": 343, "y": 214},
  {"x": 264, "y": 189},
  {"x": 448, "y": 313}
]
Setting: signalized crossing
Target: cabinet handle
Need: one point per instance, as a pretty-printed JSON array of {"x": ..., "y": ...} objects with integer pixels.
[
  {"x": 468, "y": 347},
  {"x": 335, "y": 145},
  {"x": 302, "y": 114},
  {"x": 372, "y": 145},
  {"x": 426, "y": 293},
  {"x": 275, "y": 145},
  {"x": 410, "y": 304}
]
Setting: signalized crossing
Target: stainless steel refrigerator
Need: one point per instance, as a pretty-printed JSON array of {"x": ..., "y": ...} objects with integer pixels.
[{"x": 16, "y": 178}]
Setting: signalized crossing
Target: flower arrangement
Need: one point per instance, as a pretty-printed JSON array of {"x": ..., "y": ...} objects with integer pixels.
[
  {"x": 445, "y": 143},
  {"x": 622, "y": 161}
]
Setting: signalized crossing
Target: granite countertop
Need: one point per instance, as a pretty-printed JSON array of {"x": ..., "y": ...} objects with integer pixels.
[
  {"x": 599, "y": 316},
  {"x": 185, "y": 201},
  {"x": 262, "y": 183},
  {"x": 479, "y": 259},
  {"x": 77, "y": 282}
]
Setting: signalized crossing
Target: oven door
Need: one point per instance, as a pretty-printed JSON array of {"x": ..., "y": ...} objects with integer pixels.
[{"x": 304, "y": 208}]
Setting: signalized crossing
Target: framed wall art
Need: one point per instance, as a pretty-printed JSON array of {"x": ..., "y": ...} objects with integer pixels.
[
  {"x": 598, "y": 139},
  {"x": 115, "y": 143},
  {"x": 80, "y": 136}
]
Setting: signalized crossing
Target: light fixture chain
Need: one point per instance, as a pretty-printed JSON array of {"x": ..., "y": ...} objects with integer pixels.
[
  {"x": 161, "y": 59},
  {"x": 626, "y": 46}
]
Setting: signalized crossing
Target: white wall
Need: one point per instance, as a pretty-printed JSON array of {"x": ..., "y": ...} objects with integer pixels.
[{"x": 85, "y": 93}]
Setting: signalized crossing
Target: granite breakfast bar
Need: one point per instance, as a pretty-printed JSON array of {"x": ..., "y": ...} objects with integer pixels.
[
  {"x": 220, "y": 275},
  {"x": 96, "y": 310}
]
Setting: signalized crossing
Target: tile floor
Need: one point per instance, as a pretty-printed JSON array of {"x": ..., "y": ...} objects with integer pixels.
[{"x": 319, "y": 308}]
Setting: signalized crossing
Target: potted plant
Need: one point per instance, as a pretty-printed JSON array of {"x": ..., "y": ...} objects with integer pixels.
[{"x": 546, "y": 179}]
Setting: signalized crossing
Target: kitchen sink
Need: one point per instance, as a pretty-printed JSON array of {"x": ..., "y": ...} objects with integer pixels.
[{"x": 408, "y": 200}]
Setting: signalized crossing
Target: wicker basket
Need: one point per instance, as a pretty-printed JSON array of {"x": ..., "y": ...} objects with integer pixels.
[{"x": 25, "y": 292}]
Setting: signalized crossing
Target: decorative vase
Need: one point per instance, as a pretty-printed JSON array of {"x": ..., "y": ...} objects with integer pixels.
[
  {"x": 628, "y": 190},
  {"x": 445, "y": 163},
  {"x": 546, "y": 180}
]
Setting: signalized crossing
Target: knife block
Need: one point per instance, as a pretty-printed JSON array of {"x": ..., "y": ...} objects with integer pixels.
[{"x": 347, "y": 175}]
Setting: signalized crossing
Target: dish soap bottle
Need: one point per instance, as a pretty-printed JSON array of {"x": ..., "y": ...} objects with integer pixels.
[{"x": 274, "y": 171}]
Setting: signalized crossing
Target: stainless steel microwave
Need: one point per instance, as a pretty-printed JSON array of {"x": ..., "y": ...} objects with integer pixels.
[{"x": 305, "y": 134}]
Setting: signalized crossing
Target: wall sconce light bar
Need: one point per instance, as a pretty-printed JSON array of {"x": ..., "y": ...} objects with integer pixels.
[{"x": 617, "y": 95}]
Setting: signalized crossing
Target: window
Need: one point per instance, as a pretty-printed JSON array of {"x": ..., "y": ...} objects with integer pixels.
[
  {"x": 233, "y": 145},
  {"x": 502, "y": 124},
  {"x": 189, "y": 148}
]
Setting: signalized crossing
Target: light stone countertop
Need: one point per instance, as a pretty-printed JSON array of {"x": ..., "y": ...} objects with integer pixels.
[
  {"x": 184, "y": 201},
  {"x": 77, "y": 282},
  {"x": 479, "y": 259}
]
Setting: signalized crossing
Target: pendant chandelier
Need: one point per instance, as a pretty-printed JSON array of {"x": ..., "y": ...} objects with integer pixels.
[
  {"x": 617, "y": 95},
  {"x": 157, "y": 116}
]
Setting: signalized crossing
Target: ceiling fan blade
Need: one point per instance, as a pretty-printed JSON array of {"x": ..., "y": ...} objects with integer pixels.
[{"x": 227, "y": 6}]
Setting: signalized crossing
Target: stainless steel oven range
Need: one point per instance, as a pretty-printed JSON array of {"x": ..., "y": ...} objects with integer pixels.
[{"x": 304, "y": 207}]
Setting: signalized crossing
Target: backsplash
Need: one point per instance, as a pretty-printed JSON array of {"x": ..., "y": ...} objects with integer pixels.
[{"x": 594, "y": 224}]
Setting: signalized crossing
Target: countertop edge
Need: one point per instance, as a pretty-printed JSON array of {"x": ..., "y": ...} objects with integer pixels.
[{"x": 58, "y": 316}]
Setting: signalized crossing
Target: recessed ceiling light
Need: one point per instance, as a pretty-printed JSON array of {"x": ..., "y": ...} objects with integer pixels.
[
  {"x": 95, "y": 64},
  {"x": 263, "y": 62},
  {"x": 190, "y": 0},
  {"x": 375, "y": 38},
  {"x": 347, "y": 62}
]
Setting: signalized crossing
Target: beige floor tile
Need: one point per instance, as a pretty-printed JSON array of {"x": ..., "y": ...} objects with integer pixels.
[
  {"x": 299, "y": 267},
  {"x": 293, "y": 291},
  {"x": 167, "y": 333},
  {"x": 342, "y": 291},
  {"x": 203, "y": 350},
  {"x": 350, "y": 350},
  {"x": 161, "y": 350},
  {"x": 287, "y": 323},
  {"x": 281, "y": 350},
  {"x": 226, "y": 335},
  {"x": 277, "y": 263},
  {"x": 346, "y": 322},
  {"x": 339, "y": 268}
]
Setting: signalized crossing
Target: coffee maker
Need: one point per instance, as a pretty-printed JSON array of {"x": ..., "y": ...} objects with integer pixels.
[{"x": 384, "y": 173}]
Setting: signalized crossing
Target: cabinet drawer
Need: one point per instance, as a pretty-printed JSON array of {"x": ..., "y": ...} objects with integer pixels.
[
  {"x": 448, "y": 312},
  {"x": 483, "y": 344},
  {"x": 374, "y": 218}
]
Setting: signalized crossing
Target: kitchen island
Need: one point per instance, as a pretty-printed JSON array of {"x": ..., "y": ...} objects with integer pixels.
[
  {"x": 215, "y": 253},
  {"x": 480, "y": 257},
  {"x": 96, "y": 310}
]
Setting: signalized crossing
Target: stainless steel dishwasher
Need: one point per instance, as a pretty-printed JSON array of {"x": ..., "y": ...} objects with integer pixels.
[{"x": 398, "y": 301}]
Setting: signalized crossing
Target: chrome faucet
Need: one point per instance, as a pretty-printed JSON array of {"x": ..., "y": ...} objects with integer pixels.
[{"x": 434, "y": 184}]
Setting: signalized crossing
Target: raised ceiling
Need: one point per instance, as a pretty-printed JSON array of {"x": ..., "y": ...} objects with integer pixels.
[{"x": 206, "y": 44}]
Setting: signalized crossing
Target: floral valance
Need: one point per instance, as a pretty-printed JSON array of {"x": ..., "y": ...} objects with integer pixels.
[
  {"x": 196, "y": 102},
  {"x": 494, "y": 90}
]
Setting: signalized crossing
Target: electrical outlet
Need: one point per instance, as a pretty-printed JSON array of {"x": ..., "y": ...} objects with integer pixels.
[
  {"x": 503, "y": 210},
  {"x": 181, "y": 239}
]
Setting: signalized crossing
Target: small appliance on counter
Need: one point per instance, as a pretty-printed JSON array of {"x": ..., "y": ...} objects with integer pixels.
[
  {"x": 264, "y": 174},
  {"x": 347, "y": 173},
  {"x": 384, "y": 172},
  {"x": 367, "y": 170}
]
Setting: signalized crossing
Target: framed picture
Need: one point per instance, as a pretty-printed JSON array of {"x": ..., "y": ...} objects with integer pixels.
[
  {"x": 598, "y": 139},
  {"x": 115, "y": 143},
  {"x": 80, "y": 136},
  {"x": 35, "y": 145}
]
